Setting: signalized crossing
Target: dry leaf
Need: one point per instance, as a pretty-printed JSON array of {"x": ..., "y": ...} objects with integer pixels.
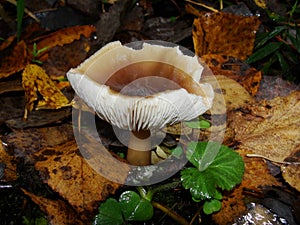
[
  {"x": 68, "y": 173},
  {"x": 271, "y": 129},
  {"x": 64, "y": 36},
  {"x": 14, "y": 61},
  {"x": 57, "y": 211},
  {"x": 10, "y": 171},
  {"x": 35, "y": 79},
  {"x": 229, "y": 94},
  {"x": 235, "y": 69},
  {"x": 290, "y": 171},
  {"x": 225, "y": 33}
]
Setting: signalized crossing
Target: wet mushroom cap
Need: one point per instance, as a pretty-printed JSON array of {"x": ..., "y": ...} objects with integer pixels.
[{"x": 145, "y": 88}]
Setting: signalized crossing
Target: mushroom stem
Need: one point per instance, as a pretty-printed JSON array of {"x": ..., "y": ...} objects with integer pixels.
[{"x": 139, "y": 147}]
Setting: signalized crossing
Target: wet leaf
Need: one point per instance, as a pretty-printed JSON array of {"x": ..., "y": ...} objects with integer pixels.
[
  {"x": 63, "y": 36},
  {"x": 225, "y": 33},
  {"x": 235, "y": 69},
  {"x": 57, "y": 211},
  {"x": 216, "y": 167},
  {"x": 68, "y": 173},
  {"x": 26, "y": 142},
  {"x": 109, "y": 213},
  {"x": 134, "y": 207},
  {"x": 9, "y": 163},
  {"x": 264, "y": 52},
  {"x": 15, "y": 61},
  {"x": 34, "y": 81}
]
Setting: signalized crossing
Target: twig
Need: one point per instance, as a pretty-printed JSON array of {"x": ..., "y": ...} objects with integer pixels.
[
  {"x": 272, "y": 160},
  {"x": 203, "y": 5},
  {"x": 170, "y": 213},
  {"x": 14, "y": 2}
]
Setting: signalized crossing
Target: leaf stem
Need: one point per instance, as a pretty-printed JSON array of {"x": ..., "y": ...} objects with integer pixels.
[{"x": 170, "y": 213}]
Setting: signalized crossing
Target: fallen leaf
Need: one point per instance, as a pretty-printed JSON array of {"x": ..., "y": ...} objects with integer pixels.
[
  {"x": 35, "y": 79},
  {"x": 10, "y": 166},
  {"x": 62, "y": 58},
  {"x": 229, "y": 94},
  {"x": 40, "y": 118},
  {"x": 235, "y": 69},
  {"x": 290, "y": 171},
  {"x": 26, "y": 142},
  {"x": 63, "y": 36},
  {"x": 57, "y": 211},
  {"x": 14, "y": 61},
  {"x": 7, "y": 42},
  {"x": 68, "y": 173},
  {"x": 270, "y": 129},
  {"x": 225, "y": 33}
]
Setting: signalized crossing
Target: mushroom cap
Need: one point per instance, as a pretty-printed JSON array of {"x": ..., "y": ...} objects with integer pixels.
[{"x": 175, "y": 77}]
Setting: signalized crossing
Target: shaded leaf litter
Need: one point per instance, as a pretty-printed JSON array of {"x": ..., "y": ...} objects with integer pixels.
[{"x": 40, "y": 158}]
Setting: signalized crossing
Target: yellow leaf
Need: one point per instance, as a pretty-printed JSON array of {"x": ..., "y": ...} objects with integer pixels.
[{"x": 35, "y": 79}]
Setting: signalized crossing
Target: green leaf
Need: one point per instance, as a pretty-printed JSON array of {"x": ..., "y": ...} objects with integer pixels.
[
  {"x": 212, "y": 206},
  {"x": 270, "y": 35},
  {"x": 264, "y": 52},
  {"x": 202, "y": 154},
  {"x": 110, "y": 213},
  {"x": 134, "y": 207},
  {"x": 224, "y": 171},
  {"x": 199, "y": 124},
  {"x": 20, "y": 13}
]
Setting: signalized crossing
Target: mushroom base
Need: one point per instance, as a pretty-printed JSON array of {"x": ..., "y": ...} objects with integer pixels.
[{"x": 139, "y": 147}]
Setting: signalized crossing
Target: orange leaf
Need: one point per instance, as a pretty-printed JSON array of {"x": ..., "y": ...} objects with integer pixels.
[
  {"x": 64, "y": 36},
  {"x": 68, "y": 173},
  {"x": 57, "y": 211},
  {"x": 225, "y": 33},
  {"x": 10, "y": 171},
  {"x": 235, "y": 69},
  {"x": 15, "y": 61}
]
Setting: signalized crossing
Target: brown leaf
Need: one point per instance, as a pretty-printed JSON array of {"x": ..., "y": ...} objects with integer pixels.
[
  {"x": 64, "y": 36},
  {"x": 269, "y": 128},
  {"x": 7, "y": 42},
  {"x": 235, "y": 69},
  {"x": 68, "y": 173},
  {"x": 26, "y": 142},
  {"x": 291, "y": 171},
  {"x": 35, "y": 79},
  {"x": 57, "y": 211},
  {"x": 14, "y": 61},
  {"x": 229, "y": 94},
  {"x": 225, "y": 34},
  {"x": 10, "y": 171}
]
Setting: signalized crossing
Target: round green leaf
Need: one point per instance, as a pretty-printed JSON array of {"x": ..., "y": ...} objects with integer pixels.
[
  {"x": 135, "y": 208},
  {"x": 109, "y": 213},
  {"x": 212, "y": 206}
]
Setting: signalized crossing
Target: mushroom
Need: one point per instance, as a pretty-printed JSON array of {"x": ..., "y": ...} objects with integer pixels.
[{"x": 141, "y": 87}]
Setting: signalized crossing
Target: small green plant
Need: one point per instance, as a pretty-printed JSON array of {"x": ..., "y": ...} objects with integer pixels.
[
  {"x": 36, "y": 52},
  {"x": 279, "y": 45},
  {"x": 216, "y": 168},
  {"x": 36, "y": 221},
  {"x": 20, "y": 14},
  {"x": 130, "y": 207}
]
